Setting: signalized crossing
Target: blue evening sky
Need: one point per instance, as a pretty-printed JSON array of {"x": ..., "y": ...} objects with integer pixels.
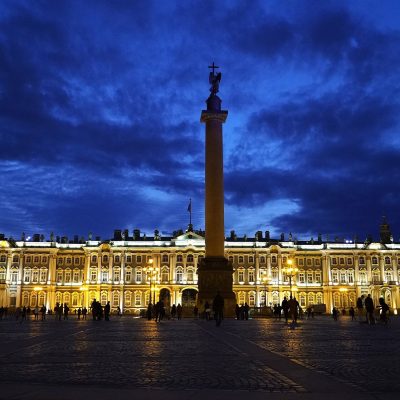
[{"x": 100, "y": 104}]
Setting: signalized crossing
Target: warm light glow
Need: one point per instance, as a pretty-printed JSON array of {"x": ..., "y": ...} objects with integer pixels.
[
  {"x": 37, "y": 288},
  {"x": 289, "y": 261},
  {"x": 342, "y": 289},
  {"x": 83, "y": 288}
]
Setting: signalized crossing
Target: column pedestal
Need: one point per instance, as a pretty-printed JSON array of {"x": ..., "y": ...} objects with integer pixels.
[{"x": 215, "y": 275}]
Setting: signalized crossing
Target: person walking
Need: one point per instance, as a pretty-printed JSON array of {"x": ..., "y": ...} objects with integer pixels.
[
  {"x": 384, "y": 310},
  {"x": 246, "y": 309},
  {"x": 36, "y": 313},
  {"x": 107, "y": 310},
  {"x": 84, "y": 312},
  {"x": 360, "y": 308},
  {"x": 285, "y": 308},
  {"x": 335, "y": 313},
  {"x": 352, "y": 313},
  {"x": 237, "y": 311},
  {"x": 66, "y": 310},
  {"x": 79, "y": 313},
  {"x": 218, "y": 308},
  {"x": 179, "y": 311},
  {"x": 369, "y": 306}
]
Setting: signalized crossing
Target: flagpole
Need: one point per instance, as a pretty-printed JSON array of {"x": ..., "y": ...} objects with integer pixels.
[{"x": 190, "y": 220}]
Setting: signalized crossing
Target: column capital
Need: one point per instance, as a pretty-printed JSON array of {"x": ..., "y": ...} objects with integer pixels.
[{"x": 213, "y": 115}]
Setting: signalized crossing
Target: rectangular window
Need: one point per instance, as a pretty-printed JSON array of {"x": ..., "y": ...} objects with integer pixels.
[
  {"x": 363, "y": 277},
  {"x": 67, "y": 277},
  {"x": 274, "y": 274},
  {"x": 28, "y": 259},
  {"x": 341, "y": 261},
  {"x": 76, "y": 276},
  {"x": 128, "y": 259},
  {"x": 317, "y": 261},
  {"x": 35, "y": 276},
  {"x": 241, "y": 276},
  {"x": 36, "y": 259},
  {"x": 76, "y": 260},
  {"x": 318, "y": 277},
  {"x": 342, "y": 277},
  {"x": 104, "y": 276},
  {"x": 351, "y": 277},
  {"x": 251, "y": 259},
  {"x": 301, "y": 261},
  {"x": 334, "y": 261},
  {"x": 301, "y": 277},
  {"x": 349, "y": 261},
  {"x": 138, "y": 259},
  {"x": 14, "y": 277},
  {"x": 309, "y": 277},
  {"x": 128, "y": 276},
  {"x": 309, "y": 261},
  {"x": 27, "y": 276},
  {"x": 335, "y": 277},
  {"x": 59, "y": 276}
]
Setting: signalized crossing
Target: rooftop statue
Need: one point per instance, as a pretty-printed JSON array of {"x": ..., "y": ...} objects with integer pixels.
[{"x": 214, "y": 80}]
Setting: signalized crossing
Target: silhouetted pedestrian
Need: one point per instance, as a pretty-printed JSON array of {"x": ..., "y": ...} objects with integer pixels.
[
  {"x": 107, "y": 310},
  {"x": 369, "y": 306},
  {"x": 352, "y": 313},
  {"x": 237, "y": 311},
  {"x": 285, "y": 308},
  {"x": 218, "y": 308},
  {"x": 179, "y": 311}
]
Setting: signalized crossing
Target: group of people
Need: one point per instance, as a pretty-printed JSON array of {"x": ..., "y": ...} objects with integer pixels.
[
  {"x": 290, "y": 309},
  {"x": 242, "y": 312},
  {"x": 366, "y": 310},
  {"x": 99, "y": 312}
]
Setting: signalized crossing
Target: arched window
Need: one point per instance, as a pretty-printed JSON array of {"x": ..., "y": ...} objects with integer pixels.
[
  {"x": 262, "y": 260},
  {"x": 67, "y": 276},
  {"x": 241, "y": 298},
  {"x": 230, "y": 258},
  {"x": 363, "y": 276},
  {"x": 342, "y": 276},
  {"x": 387, "y": 260},
  {"x": 103, "y": 298},
  {"x": 42, "y": 297},
  {"x": 105, "y": 258},
  {"x": 33, "y": 299},
  {"x": 273, "y": 259},
  {"x": 27, "y": 275},
  {"x": 361, "y": 260},
  {"x": 302, "y": 299},
  {"x": 389, "y": 275},
  {"x": 350, "y": 276},
  {"x": 25, "y": 299},
  {"x": 117, "y": 259},
  {"x": 311, "y": 298},
  {"x": 335, "y": 276},
  {"x": 375, "y": 275},
  {"x": 251, "y": 275},
  {"x": 94, "y": 258},
  {"x": 336, "y": 299},
  {"x": 319, "y": 298},
  {"x": 164, "y": 274},
  {"x": 189, "y": 275},
  {"x": 15, "y": 259},
  {"x": 74, "y": 299},
  {"x": 35, "y": 275},
  {"x": 128, "y": 299},
  {"x": 179, "y": 275},
  {"x": 2, "y": 258},
  {"x": 275, "y": 297},
  {"x": 138, "y": 299},
  {"x": 252, "y": 299},
  {"x": 241, "y": 275},
  {"x": 128, "y": 275},
  {"x": 116, "y": 299},
  {"x": 274, "y": 274},
  {"x": 241, "y": 259},
  {"x": 43, "y": 275},
  {"x": 374, "y": 260},
  {"x": 179, "y": 258},
  {"x": 165, "y": 258},
  {"x": 190, "y": 258},
  {"x": 58, "y": 297},
  {"x": 251, "y": 259},
  {"x": 66, "y": 298}
]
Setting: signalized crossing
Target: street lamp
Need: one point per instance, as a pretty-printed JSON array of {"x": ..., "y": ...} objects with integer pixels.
[
  {"x": 152, "y": 275},
  {"x": 290, "y": 270}
]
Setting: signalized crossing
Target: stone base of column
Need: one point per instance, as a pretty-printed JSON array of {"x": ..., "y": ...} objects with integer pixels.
[{"x": 215, "y": 275}]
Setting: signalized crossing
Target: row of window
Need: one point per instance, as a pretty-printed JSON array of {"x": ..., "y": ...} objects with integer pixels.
[{"x": 361, "y": 260}]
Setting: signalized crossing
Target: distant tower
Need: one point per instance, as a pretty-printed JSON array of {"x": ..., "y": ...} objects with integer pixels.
[
  {"x": 215, "y": 272},
  {"x": 384, "y": 231}
]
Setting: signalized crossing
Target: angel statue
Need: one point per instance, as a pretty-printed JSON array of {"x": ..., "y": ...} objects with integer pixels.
[{"x": 214, "y": 80}]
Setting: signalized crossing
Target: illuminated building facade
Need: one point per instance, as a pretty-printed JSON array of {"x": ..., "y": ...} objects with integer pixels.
[{"x": 41, "y": 272}]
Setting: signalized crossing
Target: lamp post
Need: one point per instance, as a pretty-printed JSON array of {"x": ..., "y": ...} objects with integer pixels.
[
  {"x": 152, "y": 275},
  {"x": 290, "y": 270}
]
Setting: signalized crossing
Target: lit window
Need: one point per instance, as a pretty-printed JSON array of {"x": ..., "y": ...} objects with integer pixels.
[
  {"x": 128, "y": 276},
  {"x": 93, "y": 275},
  {"x": 301, "y": 277},
  {"x": 190, "y": 275},
  {"x": 138, "y": 275},
  {"x": 27, "y": 275},
  {"x": 165, "y": 275},
  {"x": 241, "y": 275},
  {"x": 179, "y": 275},
  {"x": 67, "y": 276},
  {"x": 117, "y": 275},
  {"x": 35, "y": 276},
  {"x": 43, "y": 275},
  {"x": 309, "y": 277},
  {"x": 251, "y": 275},
  {"x": 104, "y": 276}
]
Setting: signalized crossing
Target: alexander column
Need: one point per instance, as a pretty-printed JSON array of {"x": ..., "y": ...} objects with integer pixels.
[{"x": 215, "y": 272}]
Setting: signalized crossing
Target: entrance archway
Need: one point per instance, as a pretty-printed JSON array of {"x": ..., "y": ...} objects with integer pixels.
[{"x": 165, "y": 297}]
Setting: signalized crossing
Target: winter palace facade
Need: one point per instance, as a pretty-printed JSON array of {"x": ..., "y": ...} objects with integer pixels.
[{"x": 132, "y": 271}]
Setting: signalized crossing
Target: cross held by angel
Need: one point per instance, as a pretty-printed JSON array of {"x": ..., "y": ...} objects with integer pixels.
[{"x": 214, "y": 79}]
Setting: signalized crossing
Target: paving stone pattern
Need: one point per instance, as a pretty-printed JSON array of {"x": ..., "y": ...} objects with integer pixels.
[{"x": 128, "y": 352}]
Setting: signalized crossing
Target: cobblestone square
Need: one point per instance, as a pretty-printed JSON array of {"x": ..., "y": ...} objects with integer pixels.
[{"x": 262, "y": 355}]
